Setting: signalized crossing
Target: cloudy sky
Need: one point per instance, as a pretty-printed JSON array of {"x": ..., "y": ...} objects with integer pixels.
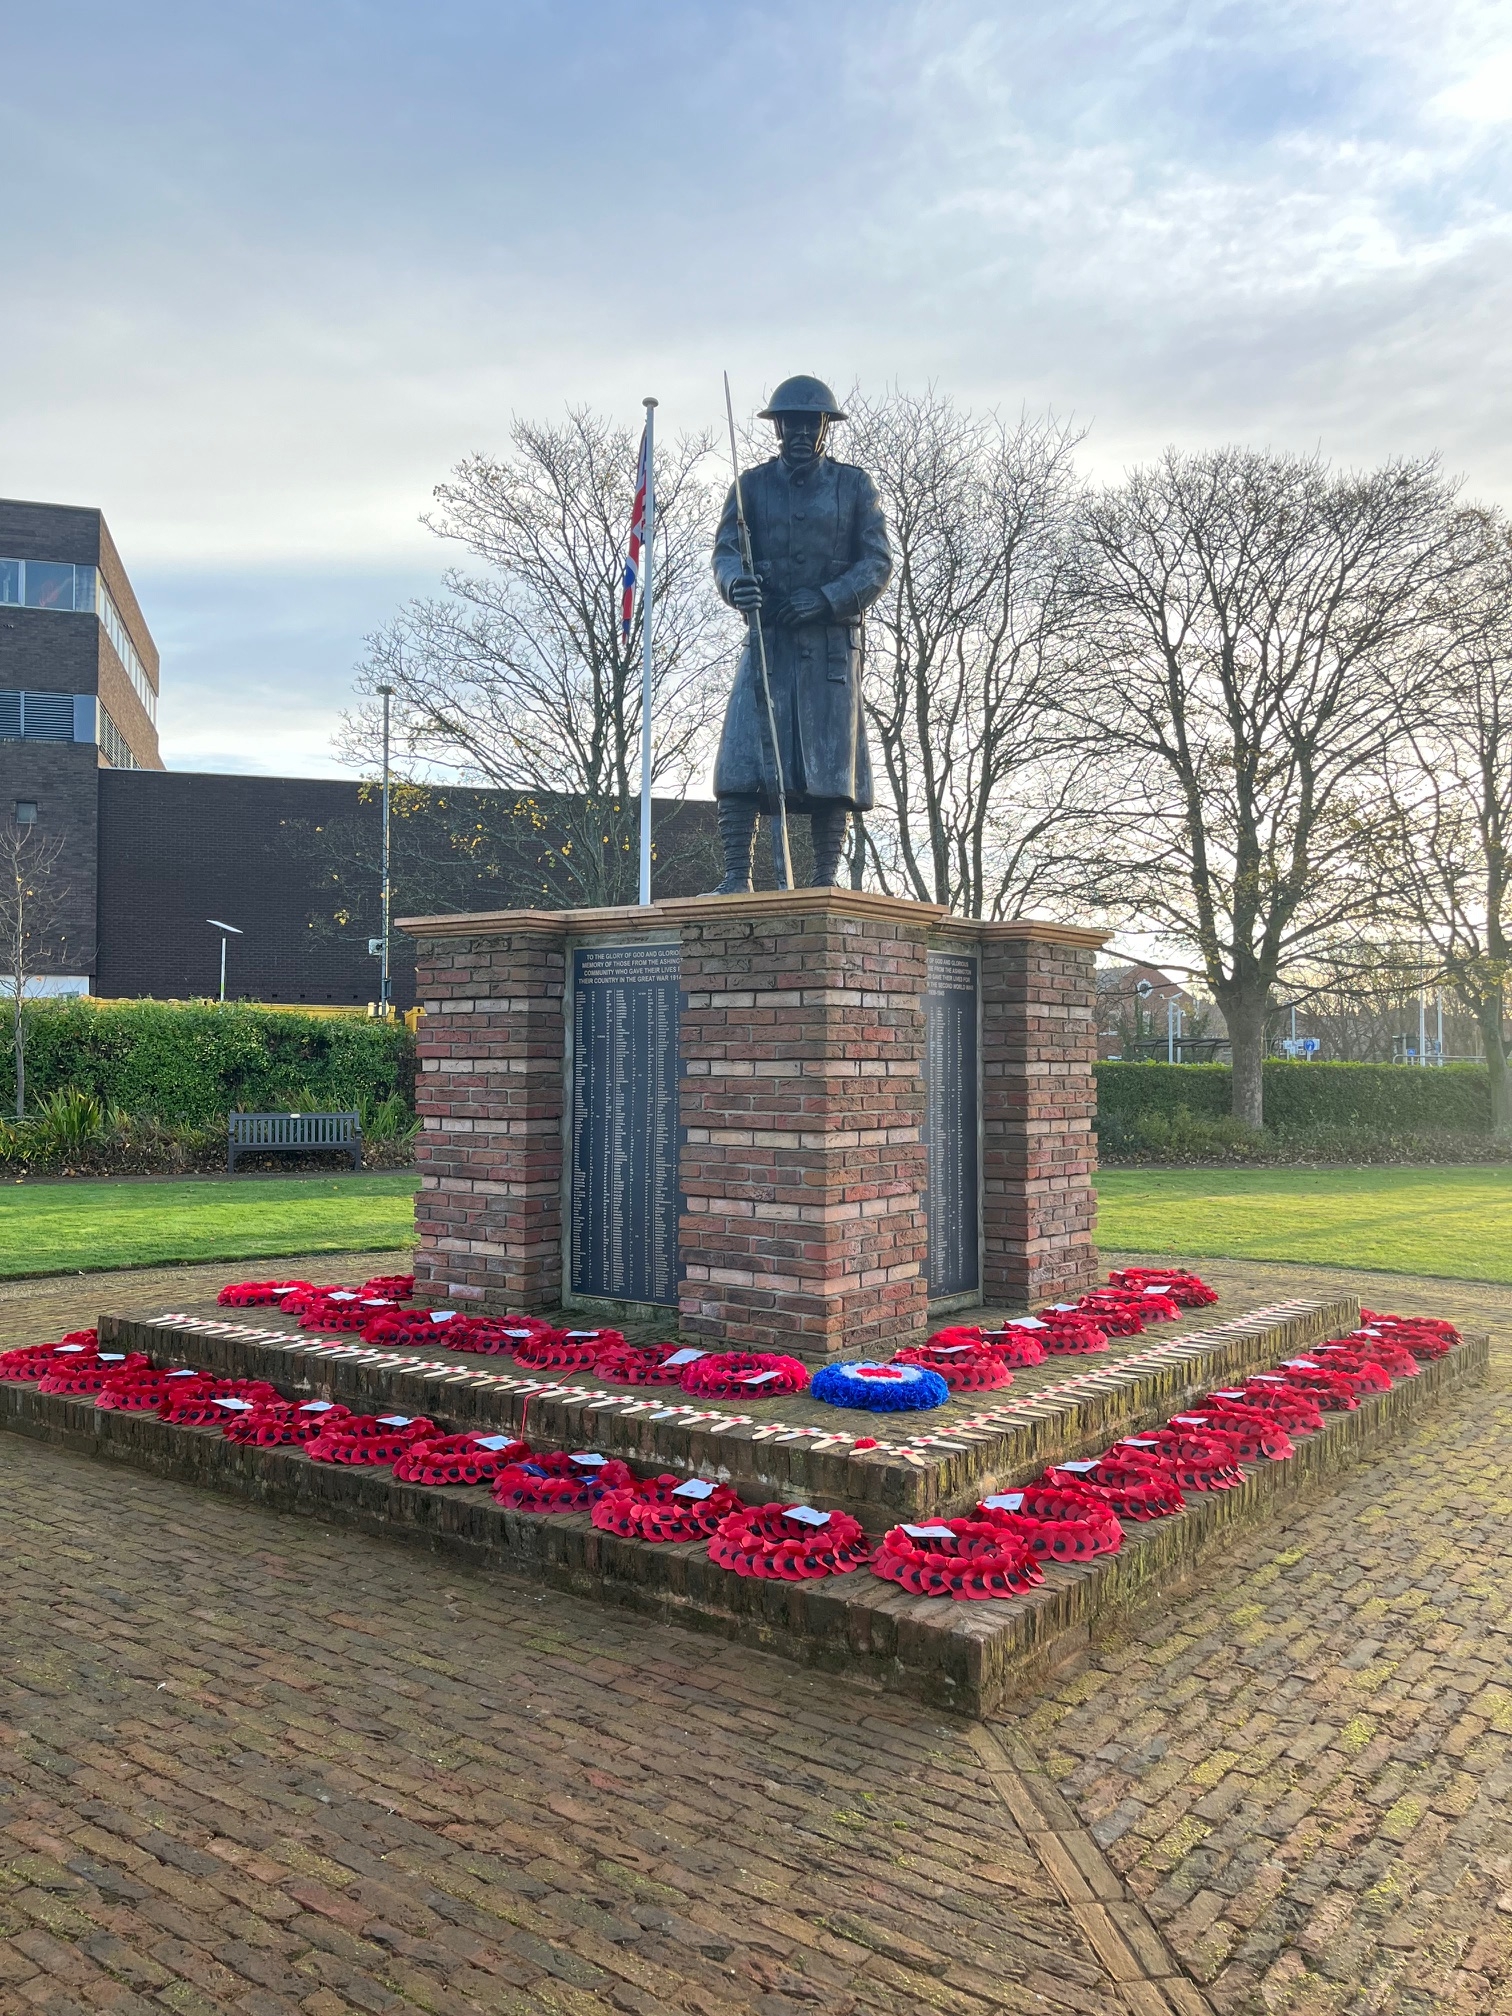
[{"x": 269, "y": 271}]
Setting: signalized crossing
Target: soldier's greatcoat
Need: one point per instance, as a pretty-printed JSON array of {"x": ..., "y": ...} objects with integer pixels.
[{"x": 824, "y": 529}]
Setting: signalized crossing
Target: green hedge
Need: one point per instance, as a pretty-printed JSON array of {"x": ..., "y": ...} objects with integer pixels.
[
  {"x": 183, "y": 1062},
  {"x": 1390, "y": 1098}
]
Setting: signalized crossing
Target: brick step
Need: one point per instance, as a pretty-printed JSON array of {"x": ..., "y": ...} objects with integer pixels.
[
  {"x": 963, "y": 1656},
  {"x": 932, "y": 1465}
]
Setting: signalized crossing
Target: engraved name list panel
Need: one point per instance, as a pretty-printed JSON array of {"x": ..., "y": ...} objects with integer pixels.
[
  {"x": 624, "y": 1202},
  {"x": 951, "y": 1105}
]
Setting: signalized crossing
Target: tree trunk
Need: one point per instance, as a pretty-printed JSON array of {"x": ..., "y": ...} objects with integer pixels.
[
  {"x": 1246, "y": 1027},
  {"x": 1493, "y": 1034},
  {"x": 18, "y": 1033}
]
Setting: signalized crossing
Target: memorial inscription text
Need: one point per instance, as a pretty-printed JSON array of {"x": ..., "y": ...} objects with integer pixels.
[
  {"x": 950, "y": 1125},
  {"x": 625, "y": 1122}
]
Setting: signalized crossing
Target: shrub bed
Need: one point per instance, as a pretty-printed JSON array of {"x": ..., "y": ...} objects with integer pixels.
[
  {"x": 183, "y": 1063},
  {"x": 1313, "y": 1113},
  {"x": 70, "y": 1133}
]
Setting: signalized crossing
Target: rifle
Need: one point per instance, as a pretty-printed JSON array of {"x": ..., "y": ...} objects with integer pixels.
[{"x": 754, "y": 620}]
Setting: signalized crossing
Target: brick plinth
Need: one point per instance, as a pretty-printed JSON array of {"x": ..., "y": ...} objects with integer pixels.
[
  {"x": 1039, "y": 1103},
  {"x": 491, "y": 1092},
  {"x": 803, "y": 1166}
]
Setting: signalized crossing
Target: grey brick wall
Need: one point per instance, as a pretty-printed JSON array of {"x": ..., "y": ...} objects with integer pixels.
[{"x": 59, "y": 777}]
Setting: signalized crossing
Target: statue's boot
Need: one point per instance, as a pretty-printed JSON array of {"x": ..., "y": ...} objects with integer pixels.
[
  {"x": 829, "y": 828},
  {"x": 737, "y": 835}
]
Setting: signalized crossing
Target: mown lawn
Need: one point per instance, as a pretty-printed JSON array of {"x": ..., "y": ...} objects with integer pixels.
[
  {"x": 58, "y": 1228},
  {"x": 1448, "y": 1221}
]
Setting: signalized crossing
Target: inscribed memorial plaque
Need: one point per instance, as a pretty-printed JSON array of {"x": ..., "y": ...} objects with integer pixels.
[
  {"x": 953, "y": 1266},
  {"x": 625, "y": 1122}
]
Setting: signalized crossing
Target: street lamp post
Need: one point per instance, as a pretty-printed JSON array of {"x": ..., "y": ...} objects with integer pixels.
[
  {"x": 236, "y": 932},
  {"x": 385, "y": 988}
]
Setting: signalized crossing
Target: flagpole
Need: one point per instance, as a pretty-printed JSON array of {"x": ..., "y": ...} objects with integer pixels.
[{"x": 647, "y": 550}]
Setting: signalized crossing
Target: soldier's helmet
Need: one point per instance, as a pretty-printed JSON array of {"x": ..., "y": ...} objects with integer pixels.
[{"x": 803, "y": 395}]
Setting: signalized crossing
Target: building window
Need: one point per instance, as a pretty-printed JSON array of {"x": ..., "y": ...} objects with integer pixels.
[
  {"x": 54, "y": 584},
  {"x": 64, "y": 717},
  {"x": 115, "y": 630},
  {"x": 47, "y": 584},
  {"x": 26, "y": 811},
  {"x": 50, "y": 584},
  {"x": 113, "y": 745}
]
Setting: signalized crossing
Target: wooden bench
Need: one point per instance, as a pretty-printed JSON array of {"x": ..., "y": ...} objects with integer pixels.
[{"x": 293, "y": 1134}]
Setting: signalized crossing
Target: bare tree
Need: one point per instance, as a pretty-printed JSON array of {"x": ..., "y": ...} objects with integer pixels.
[
  {"x": 979, "y": 785},
  {"x": 1451, "y": 790},
  {"x": 1253, "y": 620},
  {"x": 523, "y": 678},
  {"x": 32, "y": 900},
  {"x": 1359, "y": 996}
]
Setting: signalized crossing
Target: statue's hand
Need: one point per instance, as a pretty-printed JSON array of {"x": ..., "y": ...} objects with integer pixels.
[
  {"x": 804, "y": 605},
  {"x": 745, "y": 593}
]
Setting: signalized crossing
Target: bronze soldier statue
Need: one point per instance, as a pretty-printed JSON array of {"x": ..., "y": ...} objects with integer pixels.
[{"x": 819, "y": 546}]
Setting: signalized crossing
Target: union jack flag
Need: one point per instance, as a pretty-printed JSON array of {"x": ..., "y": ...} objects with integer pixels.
[{"x": 637, "y": 532}]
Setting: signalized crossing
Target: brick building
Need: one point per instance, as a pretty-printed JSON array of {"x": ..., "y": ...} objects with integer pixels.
[
  {"x": 150, "y": 855},
  {"x": 293, "y": 862},
  {"x": 78, "y": 696}
]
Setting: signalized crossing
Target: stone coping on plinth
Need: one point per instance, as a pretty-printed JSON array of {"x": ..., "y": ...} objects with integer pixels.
[
  {"x": 915, "y": 1465},
  {"x": 763, "y": 903}
]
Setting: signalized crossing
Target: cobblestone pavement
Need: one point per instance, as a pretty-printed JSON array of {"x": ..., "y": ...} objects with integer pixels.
[
  {"x": 1301, "y": 1766},
  {"x": 249, "y": 1763}
]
